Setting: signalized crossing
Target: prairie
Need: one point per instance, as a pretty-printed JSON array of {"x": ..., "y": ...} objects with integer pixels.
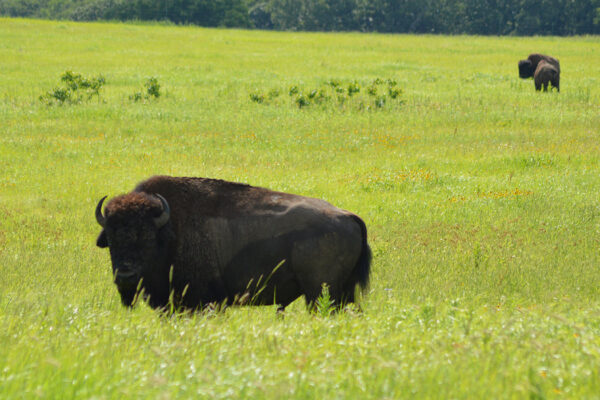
[{"x": 480, "y": 195}]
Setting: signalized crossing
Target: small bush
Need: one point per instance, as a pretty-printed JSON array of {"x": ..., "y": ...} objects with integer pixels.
[
  {"x": 377, "y": 95},
  {"x": 353, "y": 88},
  {"x": 60, "y": 94},
  {"x": 257, "y": 97},
  {"x": 86, "y": 87},
  {"x": 152, "y": 91},
  {"x": 152, "y": 88},
  {"x": 302, "y": 101},
  {"x": 76, "y": 88},
  {"x": 394, "y": 92},
  {"x": 318, "y": 96},
  {"x": 261, "y": 98},
  {"x": 137, "y": 96}
]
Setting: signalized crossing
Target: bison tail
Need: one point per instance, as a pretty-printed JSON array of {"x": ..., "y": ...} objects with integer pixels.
[{"x": 362, "y": 270}]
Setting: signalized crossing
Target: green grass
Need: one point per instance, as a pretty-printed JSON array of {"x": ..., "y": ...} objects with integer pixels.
[{"x": 480, "y": 195}]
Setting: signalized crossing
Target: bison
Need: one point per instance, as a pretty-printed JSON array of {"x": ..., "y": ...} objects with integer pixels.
[
  {"x": 191, "y": 242},
  {"x": 528, "y": 68},
  {"x": 546, "y": 73}
]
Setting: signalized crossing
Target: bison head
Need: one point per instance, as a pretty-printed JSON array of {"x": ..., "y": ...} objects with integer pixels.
[
  {"x": 526, "y": 69},
  {"x": 136, "y": 229}
]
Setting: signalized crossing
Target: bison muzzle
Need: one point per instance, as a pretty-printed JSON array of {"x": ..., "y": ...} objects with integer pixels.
[{"x": 192, "y": 242}]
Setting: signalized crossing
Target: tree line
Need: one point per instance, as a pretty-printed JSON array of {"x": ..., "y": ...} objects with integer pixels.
[{"x": 484, "y": 17}]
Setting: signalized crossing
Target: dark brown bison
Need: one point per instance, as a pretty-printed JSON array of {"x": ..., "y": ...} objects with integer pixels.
[
  {"x": 528, "y": 67},
  {"x": 191, "y": 242},
  {"x": 546, "y": 73}
]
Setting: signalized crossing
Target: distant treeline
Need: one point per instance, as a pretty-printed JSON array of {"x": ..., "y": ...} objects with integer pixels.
[{"x": 485, "y": 17}]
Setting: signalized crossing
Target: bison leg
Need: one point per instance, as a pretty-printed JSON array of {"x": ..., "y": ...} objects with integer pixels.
[
  {"x": 194, "y": 296},
  {"x": 333, "y": 296},
  {"x": 538, "y": 86},
  {"x": 339, "y": 294},
  {"x": 545, "y": 86},
  {"x": 349, "y": 292},
  {"x": 328, "y": 258},
  {"x": 337, "y": 297}
]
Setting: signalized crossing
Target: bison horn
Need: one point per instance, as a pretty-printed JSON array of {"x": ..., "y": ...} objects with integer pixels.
[
  {"x": 161, "y": 220},
  {"x": 99, "y": 217}
]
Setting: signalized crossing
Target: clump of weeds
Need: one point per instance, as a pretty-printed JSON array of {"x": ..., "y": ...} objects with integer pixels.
[
  {"x": 74, "y": 89},
  {"x": 377, "y": 94},
  {"x": 152, "y": 91},
  {"x": 261, "y": 98}
]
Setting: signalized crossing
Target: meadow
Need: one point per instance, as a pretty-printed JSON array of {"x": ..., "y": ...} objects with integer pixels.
[{"x": 480, "y": 195}]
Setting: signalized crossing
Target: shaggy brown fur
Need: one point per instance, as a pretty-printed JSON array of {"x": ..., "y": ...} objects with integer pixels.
[
  {"x": 222, "y": 241},
  {"x": 133, "y": 203},
  {"x": 546, "y": 73},
  {"x": 528, "y": 67}
]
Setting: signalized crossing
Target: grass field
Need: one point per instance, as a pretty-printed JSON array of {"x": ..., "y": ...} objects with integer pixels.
[{"x": 480, "y": 195}]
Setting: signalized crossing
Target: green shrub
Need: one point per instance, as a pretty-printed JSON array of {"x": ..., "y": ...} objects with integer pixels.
[
  {"x": 137, "y": 96},
  {"x": 302, "y": 101},
  {"x": 76, "y": 88},
  {"x": 152, "y": 88},
  {"x": 261, "y": 98},
  {"x": 257, "y": 97},
  {"x": 353, "y": 88},
  {"x": 394, "y": 92},
  {"x": 334, "y": 83},
  {"x": 152, "y": 91},
  {"x": 335, "y": 92}
]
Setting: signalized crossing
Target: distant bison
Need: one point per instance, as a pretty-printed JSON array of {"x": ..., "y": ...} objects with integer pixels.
[
  {"x": 528, "y": 68},
  {"x": 200, "y": 241},
  {"x": 546, "y": 73}
]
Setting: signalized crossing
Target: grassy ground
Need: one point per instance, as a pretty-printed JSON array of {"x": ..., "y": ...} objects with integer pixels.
[{"x": 480, "y": 196}]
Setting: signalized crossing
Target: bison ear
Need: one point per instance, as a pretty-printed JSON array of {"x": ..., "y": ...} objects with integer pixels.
[{"x": 101, "y": 241}]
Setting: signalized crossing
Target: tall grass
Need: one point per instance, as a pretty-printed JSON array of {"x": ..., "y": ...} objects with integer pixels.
[{"x": 480, "y": 197}]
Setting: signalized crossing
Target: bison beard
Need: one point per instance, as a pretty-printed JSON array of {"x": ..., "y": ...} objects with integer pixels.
[{"x": 190, "y": 242}]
